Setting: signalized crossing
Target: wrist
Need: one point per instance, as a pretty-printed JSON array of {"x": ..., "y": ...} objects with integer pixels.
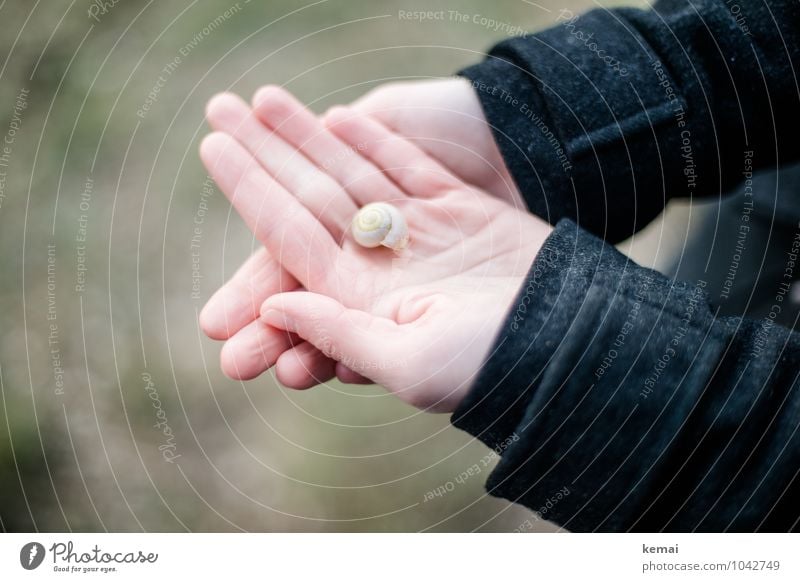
[{"x": 524, "y": 343}]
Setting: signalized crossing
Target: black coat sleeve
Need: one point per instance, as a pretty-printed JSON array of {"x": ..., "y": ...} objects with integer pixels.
[
  {"x": 604, "y": 117},
  {"x": 620, "y": 401}
]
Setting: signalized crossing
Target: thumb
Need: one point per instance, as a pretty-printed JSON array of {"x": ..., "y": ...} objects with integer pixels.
[{"x": 366, "y": 344}]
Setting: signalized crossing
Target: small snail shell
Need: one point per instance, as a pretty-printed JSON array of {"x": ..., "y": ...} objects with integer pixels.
[{"x": 378, "y": 224}]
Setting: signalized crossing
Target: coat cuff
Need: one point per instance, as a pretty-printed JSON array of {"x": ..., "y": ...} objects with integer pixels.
[
  {"x": 582, "y": 107},
  {"x": 591, "y": 379}
]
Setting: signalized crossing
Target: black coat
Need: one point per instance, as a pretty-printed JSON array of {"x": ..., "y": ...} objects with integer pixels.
[{"x": 608, "y": 379}]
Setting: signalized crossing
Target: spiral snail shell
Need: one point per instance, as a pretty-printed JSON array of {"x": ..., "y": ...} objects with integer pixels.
[{"x": 378, "y": 224}]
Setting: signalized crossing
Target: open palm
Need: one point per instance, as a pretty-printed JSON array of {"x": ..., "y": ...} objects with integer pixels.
[
  {"x": 298, "y": 184},
  {"x": 443, "y": 116}
]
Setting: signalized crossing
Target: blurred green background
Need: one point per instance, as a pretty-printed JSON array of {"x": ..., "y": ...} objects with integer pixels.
[{"x": 97, "y": 210}]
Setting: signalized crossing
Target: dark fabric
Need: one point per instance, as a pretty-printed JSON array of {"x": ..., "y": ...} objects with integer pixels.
[
  {"x": 739, "y": 247},
  {"x": 618, "y": 398},
  {"x": 605, "y": 117},
  {"x": 623, "y": 388}
]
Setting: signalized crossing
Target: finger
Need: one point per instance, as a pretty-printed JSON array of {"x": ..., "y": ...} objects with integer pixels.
[
  {"x": 347, "y": 376},
  {"x": 257, "y": 347},
  {"x": 237, "y": 303},
  {"x": 364, "y": 343},
  {"x": 303, "y": 367},
  {"x": 318, "y": 191},
  {"x": 253, "y": 350},
  {"x": 292, "y": 235},
  {"x": 417, "y": 173},
  {"x": 297, "y": 125}
]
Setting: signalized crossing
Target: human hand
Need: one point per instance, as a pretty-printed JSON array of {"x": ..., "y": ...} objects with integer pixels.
[
  {"x": 445, "y": 115},
  {"x": 420, "y": 324}
]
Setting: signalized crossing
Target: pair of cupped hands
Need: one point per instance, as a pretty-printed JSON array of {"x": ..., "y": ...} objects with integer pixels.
[{"x": 316, "y": 305}]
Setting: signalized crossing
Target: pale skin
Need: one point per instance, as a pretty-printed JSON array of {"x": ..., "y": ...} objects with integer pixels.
[
  {"x": 314, "y": 304},
  {"x": 448, "y": 121}
]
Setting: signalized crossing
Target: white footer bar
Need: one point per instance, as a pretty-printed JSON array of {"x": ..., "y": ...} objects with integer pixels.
[{"x": 400, "y": 557}]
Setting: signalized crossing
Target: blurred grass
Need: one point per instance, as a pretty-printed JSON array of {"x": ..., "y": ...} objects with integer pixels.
[{"x": 253, "y": 456}]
